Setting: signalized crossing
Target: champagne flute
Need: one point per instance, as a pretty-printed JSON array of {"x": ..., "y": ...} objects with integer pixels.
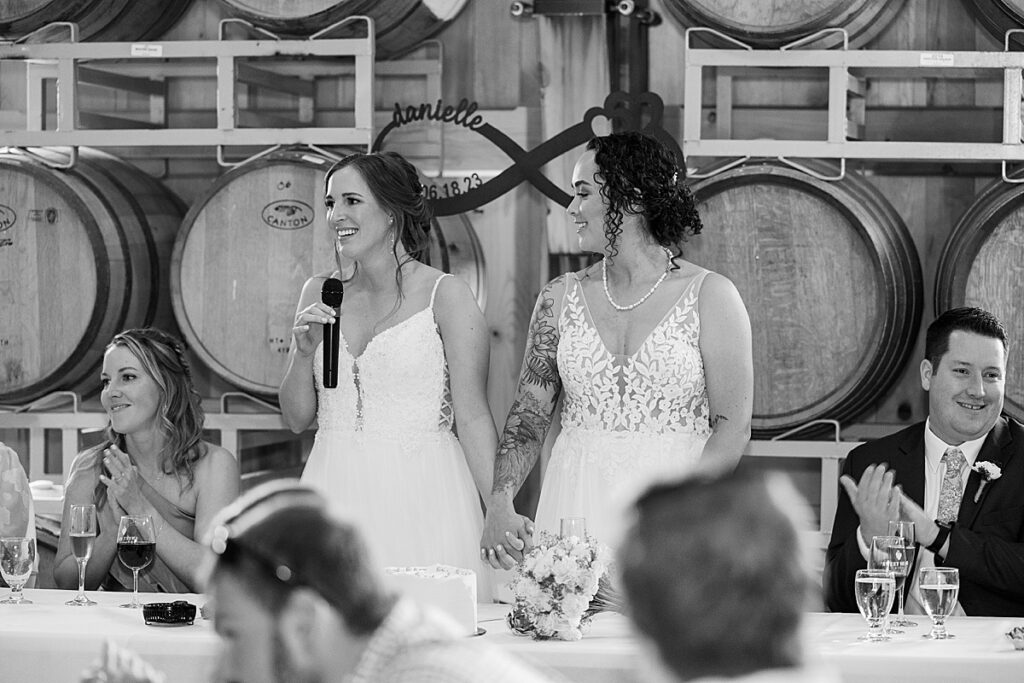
[
  {"x": 904, "y": 530},
  {"x": 939, "y": 589},
  {"x": 890, "y": 553},
  {"x": 136, "y": 548},
  {"x": 83, "y": 537},
  {"x": 17, "y": 557},
  {"x": 573, "y": 526},
  {"x": 875, "y": 590}
]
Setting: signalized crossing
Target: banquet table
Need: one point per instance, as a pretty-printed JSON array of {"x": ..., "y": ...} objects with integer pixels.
[
  {"x": 48, "y": 642},
  {"x": 609, "y": 651}
]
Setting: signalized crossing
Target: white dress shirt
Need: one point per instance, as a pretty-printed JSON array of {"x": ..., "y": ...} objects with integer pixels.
[{"x": 934, "y": 471}]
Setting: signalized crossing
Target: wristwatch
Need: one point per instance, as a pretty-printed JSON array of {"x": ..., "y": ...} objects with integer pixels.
[{"x": 940, "y": 539}]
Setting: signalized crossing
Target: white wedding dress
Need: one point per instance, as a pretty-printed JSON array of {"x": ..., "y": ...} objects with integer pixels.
[
  {"x": 385, "y": 455},
  {"x": 627, "y": 421}
]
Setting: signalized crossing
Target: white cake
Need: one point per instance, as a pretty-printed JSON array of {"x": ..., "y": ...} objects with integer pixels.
[{"x": 451, "y": 590}]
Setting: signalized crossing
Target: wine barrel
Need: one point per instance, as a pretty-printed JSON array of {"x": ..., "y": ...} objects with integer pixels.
[
  {"x": 982, "y": 264},
  {"x": 830, "y": 277},
  {"x": 998, "y": 16},
  {"x": 84, "y": 253},
  {"x": 247, "y": 246},
  {"x": 774, "y": 24},
  {"x": 400, "y": 25},
  {"x": 98, "y": 20}
]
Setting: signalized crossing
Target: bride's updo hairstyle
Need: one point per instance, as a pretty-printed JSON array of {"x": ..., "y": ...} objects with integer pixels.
[
  {"x": 396, "y": 187},
  {"x": 640, "y": 175}
]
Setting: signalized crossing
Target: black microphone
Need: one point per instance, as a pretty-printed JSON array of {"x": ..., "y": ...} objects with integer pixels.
[{"x": 332, "y": 293}]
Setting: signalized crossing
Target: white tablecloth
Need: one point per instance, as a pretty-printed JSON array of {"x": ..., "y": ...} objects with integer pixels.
[
  {"x": 980, "y": 652},
  {"x": 48, "y": 642}
]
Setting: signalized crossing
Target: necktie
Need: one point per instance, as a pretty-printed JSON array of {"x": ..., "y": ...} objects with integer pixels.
[{"x": 952, "y": 488}]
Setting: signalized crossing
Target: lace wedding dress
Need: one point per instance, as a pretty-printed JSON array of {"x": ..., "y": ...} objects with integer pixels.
[
  {"x": 385, "y": 455},
  {"x": 627, "y": 421}
]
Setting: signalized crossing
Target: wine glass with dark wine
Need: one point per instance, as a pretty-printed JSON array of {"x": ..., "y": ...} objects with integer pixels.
[
  {"x": 83, "y": 536},
  {"x": 136, "y": 548}
]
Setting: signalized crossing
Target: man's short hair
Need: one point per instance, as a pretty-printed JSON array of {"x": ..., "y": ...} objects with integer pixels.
[
  {"x": 964, "y": 319},
  {"x": 279, "y": 536},
  {"x": 715, "y": 574}
]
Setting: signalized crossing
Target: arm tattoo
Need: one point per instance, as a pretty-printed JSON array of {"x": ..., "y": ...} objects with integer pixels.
[
  {"x": 525, "y": 429},
  {"x": 540, "y": 367},
  {"x": 718, "y": 418},
  {"x": 539, "y": 386}
]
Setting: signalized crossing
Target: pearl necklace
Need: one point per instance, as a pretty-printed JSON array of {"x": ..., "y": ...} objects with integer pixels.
[{"x": 608, "y": 294}]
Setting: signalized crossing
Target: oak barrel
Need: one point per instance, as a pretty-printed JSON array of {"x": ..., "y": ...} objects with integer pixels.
[
  {"x": 982, "y": 264},
  {"x": 98, "y": 20},
  {"x": 84, "y": 253},
  {"x": 774, "y": 24},
  {"x": 400, "y": 25},
  {"x": 998, "y": 16},
  {"x": 247, "y": 246},
  {"x": 830, "y": 277}
]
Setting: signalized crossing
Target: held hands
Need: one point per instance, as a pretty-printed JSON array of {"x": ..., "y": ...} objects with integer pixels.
[
  {"x": 123, "y": 488},
  {"x": 308, "y": 330},
  {"x": 874, "y": 498},
  {"x": 507, "y": 536}
]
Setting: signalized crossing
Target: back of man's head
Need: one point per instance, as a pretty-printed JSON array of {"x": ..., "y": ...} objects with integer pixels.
[
  {"x": 964, "y": 319},
  {"x": 715, "y": 574},
  {"x": 279, "y": 537}
]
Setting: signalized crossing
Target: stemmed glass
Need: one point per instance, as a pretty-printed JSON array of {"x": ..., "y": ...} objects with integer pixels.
[
  {"x": 875, "y": 590},
  {"x": 904, "y": 530},
  {"x": 136, "y": 547},
  {"x": 573, "y": 526},
  {"x": 17, "y": 557},
  {"x": 83, "y": 537},
  {"x": 939, "y": 589},
  {"x": 890, "y": 553}
]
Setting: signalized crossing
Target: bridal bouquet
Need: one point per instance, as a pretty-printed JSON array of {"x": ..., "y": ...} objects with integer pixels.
[{"x": 555, "y": 585}]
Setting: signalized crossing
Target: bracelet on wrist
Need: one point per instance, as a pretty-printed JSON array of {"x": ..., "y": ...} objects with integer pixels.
[{"x": 940, "y": 538}]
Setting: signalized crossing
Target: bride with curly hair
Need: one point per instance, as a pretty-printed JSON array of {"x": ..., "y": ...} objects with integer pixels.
[{"x": 649, "y": 353}]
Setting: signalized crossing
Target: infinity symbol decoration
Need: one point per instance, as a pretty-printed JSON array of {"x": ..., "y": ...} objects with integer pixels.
[{"x": 625, "y": 111}]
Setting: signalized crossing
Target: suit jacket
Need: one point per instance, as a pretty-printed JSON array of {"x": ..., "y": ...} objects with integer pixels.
[{"x": 987, "y": 543}]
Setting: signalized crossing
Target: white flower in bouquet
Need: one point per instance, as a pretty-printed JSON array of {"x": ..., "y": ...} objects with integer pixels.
[
  {"x": 565, "y": 570},
  {"x": 555, "y": 585},
  {"x": 574, "y": 605}
]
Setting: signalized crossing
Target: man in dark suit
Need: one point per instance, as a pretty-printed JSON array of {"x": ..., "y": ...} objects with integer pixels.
[{"x": 959, "y": 476}]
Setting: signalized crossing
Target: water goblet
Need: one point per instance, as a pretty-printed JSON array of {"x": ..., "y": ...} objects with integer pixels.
[
  {"x": 573, "y": 526},
  {"x": 17, "y": 557},
  {"x": 83, "y": 536},
  {"x": 904, "y": 530},
  {"x": 875, "y": 590},
  {"x": 890, "y": 553},
  {"x": 940, "y": 587},
  {"x": 136, "y": 548}
]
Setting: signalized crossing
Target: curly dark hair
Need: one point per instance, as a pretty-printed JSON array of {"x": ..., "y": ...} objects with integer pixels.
[{"x": 639, "y": 174}]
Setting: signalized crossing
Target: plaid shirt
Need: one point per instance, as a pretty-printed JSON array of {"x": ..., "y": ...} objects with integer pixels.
[{"x": 417, "y": 646}]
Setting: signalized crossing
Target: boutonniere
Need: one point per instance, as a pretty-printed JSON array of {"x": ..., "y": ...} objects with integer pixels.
[{"x": 989, "y": 471}]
